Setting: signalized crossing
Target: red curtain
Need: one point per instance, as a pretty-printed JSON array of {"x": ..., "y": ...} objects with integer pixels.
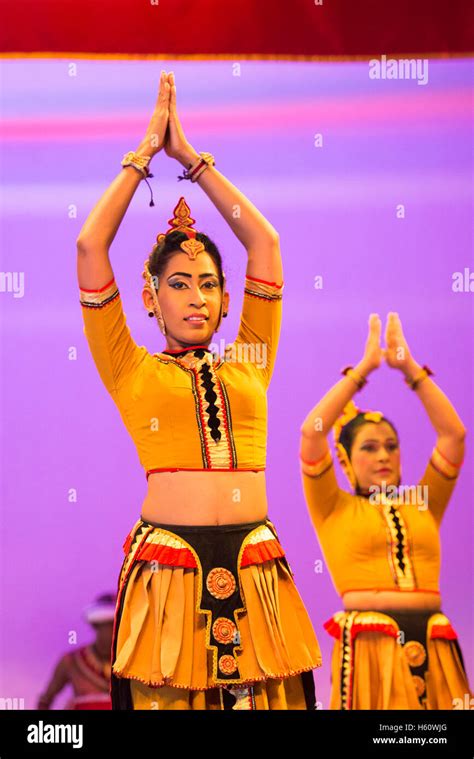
[{"x": 240, "y": 29}]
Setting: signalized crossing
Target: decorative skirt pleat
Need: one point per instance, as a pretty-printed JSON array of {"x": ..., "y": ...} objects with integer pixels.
[
  {"x": 395, "y": 660},
  {"x": 201, "y": 609}
]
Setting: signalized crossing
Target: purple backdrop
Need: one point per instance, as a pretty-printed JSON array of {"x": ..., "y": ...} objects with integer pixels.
[{"x": 386, "y": 143}]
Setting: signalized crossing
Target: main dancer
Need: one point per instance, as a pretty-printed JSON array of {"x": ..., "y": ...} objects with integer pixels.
[
  {"x": 394, "y": 648},
  {"x": 208, "y": 615}
]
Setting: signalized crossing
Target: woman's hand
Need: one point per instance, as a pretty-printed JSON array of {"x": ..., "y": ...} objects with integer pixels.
[
  {"x": 373, "y": 355},
  {"x": 154, "y": 139},
  {"x": 397, "y": 352},
  {"x": 176, "y": 144}
]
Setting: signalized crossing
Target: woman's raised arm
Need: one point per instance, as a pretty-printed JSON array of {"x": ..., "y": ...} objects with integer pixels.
[
  {"x": 257, "y": 235},
  {"x": 448, "y": 426},
  {"x": 98, "y": 232},
  {"x": 320, "y": 420},
  {"x": 113, "y": 349}
]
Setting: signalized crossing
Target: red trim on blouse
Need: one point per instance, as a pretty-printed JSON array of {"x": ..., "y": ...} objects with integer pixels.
[
  {"x": 312, "y": 463},
  {"x": 190, "y": 347},
  {"x": 100, "y": 289},
  {"x": 200, "y": 469},
  {"x": 265, "y": 281},
  {"x": 457, "y": 466}
]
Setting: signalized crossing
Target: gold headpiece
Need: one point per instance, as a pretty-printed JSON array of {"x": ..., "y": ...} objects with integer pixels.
[
  {"x": 180, "y": 222},
  {"x": 183, "y": 222},
  {"x": 350, "y": 412}
]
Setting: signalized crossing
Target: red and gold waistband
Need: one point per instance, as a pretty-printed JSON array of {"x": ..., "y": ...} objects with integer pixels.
[
  {"x": 166, "y": 546},
  {"x": 438, "y": 626}
]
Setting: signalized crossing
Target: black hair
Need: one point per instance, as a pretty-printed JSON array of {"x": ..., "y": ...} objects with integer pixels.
[
  {"x": 165, "y": 250},
  {"x": 349, "y": 431}
]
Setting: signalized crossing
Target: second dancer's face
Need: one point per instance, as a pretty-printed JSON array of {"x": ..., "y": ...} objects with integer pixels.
[
  {"x": 190, "y": 299},
  {"x": 375, "y": 456}
]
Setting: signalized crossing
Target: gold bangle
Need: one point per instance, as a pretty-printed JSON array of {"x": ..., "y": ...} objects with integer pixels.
[
  {"x": 139, "y": 162},
  {"x": 349, "y": 371},
  {"x": 423, "y": 374}
]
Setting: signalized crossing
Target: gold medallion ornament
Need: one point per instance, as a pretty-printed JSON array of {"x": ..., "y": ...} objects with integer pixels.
[
  {"x": 192, "y": 248},
  {"x": 220, "y": 583},
  {"x": 419, "y": 684},
  {"x": 224, "y": 630},
  {"x": 227, "y": 664},
  {"x": 415, "y": 653}
]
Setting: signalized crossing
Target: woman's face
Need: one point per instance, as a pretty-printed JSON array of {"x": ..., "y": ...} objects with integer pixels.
[
  {"x": 375, "y": 455},
  {"x": 190, "y": 299}
]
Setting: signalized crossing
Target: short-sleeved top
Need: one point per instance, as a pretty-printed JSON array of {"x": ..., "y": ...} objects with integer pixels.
[
  {"x": 383, "y": 542},
  {"x": 190, "y": 409}
]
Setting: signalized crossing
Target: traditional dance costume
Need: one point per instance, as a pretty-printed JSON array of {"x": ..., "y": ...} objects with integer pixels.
[
  {"x": 90, "y": 679},
  {"x": 387, "y": 659},
  {"x": 83, "y": 669},
  {"x": 203, "y": 612}
]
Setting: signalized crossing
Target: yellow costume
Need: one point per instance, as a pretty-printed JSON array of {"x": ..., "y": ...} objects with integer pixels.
[
  {"x": 389, "y": 659},
  {"x": 207, "y": 617},
  {"x": 222, "y": 419}
]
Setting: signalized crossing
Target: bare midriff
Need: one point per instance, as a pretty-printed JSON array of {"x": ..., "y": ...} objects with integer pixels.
[
  {"x": 205, "y": 497},
  {"x": 378, "y": 600}
]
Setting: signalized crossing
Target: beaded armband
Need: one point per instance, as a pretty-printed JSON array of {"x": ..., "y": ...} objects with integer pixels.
[
  {"x": 99, "y": 298},
  {"x": 442, "y": 465},
  {"x": 316, "y": 468},
  {"x": 260, "y": 288},
  {"x": 139, "y": 162}
]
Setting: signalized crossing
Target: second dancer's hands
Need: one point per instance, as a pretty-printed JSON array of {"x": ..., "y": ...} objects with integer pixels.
[
  {"x": 397, "y": 352},
  {"x": 373, "y": 354}
]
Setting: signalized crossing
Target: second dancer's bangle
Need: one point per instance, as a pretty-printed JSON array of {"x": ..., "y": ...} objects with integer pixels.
[
  {"x": 423, "y": 374},
  {"x": 349, "y": 371}
]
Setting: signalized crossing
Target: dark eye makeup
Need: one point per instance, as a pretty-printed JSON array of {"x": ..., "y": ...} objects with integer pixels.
[{"x": 209, "y": 285}]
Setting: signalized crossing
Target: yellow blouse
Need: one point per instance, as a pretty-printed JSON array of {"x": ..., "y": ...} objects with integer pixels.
[
  {"x": 190, "y": 409},
  {"x": 379, "y": 543}
]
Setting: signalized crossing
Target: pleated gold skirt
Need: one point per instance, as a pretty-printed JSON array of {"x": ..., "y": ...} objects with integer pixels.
[
  {"x": 209, "y": 617},
  {"x": 394, "y": 660}
]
